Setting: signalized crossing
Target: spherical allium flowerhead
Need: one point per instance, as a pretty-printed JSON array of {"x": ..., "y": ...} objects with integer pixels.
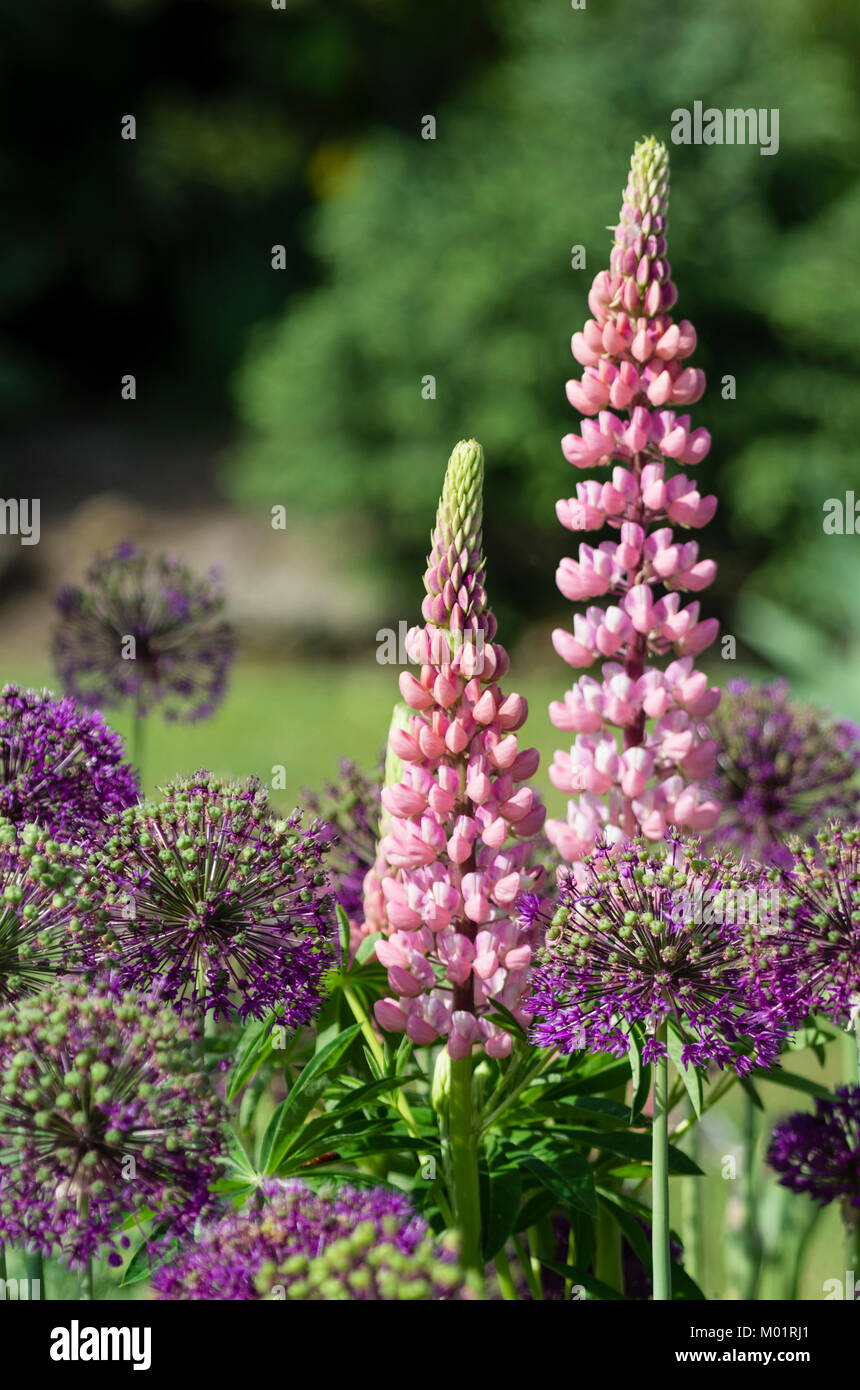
[
  {"x": 60, "y": 765},
  {"x": 366, "y": 1244},
  {"x": 350, "y": 808},
  {"x": 654, "y": 934},
  {"x": 820, "y": 1153},
  {"x": 207, "y": 897},
  {"x": 181, "y": 649},
  {"x": 822, "y": 921},
  {"x": 103, "y": 1116},
  {"x": 45, "y": 912},
  {"x": 783, "y": 768}
]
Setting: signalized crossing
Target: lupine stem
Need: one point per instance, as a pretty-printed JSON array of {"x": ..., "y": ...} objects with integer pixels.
[
  {"x": 662, "y": 1263},
  {"x": 462, "y": 1146}
]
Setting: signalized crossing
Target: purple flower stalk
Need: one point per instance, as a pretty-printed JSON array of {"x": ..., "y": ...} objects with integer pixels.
[
  {"x": 44, "y": 911},
  {"x": 822, "y": 921},
  {"x": 103, "y": 1117},
  {"x": 60, "y": 765},
  {"x": 144, "y": 631},
  {"x": 654, "y": 935},
  {"x": 362, "y": 1244},
  {"x": 820, "y": 1153},
  {"x": 207, "y": 897},
  {"x": 783, "y": 769}
]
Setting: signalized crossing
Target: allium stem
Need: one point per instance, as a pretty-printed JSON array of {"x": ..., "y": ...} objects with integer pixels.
[
  {"x": 35, "y": 1272},
  {"x": 851, "y": 1056},
  {"x": 505, "y": 1278},
  {"x": 607, "y": 1254},
  {"x": 662, "y": 1262},
  {"x": 138, "y": 733},
  {"x": 462, "y": 1146}
]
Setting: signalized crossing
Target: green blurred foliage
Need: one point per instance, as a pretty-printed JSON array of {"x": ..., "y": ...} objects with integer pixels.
[
  {"x": 452, "y": 258},
  {"x": 157, "y": 251}
]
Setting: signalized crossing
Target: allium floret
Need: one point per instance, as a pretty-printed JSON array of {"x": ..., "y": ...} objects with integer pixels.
[
  {"x": 653, "y": 935},
  {"x": 45, "y": 911},
  {"x": 104, "y": 1116},
  {"x": 822, "y": 921},
  {"x": 60, "y": 764},
  {"x": 208, "y": 897},
  {"x": 365, "y": 1244}
]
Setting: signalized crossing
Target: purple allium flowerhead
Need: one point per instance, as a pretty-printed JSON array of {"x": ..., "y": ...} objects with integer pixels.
[
  {"x": 104, "y": 1116},
  {"x": 820, "y": 1153},
  {"x": 350, "y": 807},
  {"x": 366, "y": 1244},
  {"x": 60, "y": 765},
  {"x": 822, "y": 920},
  {"x": 651, "y": 934},
  {"x": 45, "y": 912},
  {"x": 783, "y": 768},
  {"x": 182, "y": 645},
  {"x": 208, "y": 897}
]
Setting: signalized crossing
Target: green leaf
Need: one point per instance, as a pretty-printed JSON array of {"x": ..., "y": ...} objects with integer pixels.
[
  {"x": 638, "y": 1146},
  {"x": 342, "y": 936},
  {"x": 689, "y": 1075},
  {"x": 683, "y": 1286},
  {"x": 255, "y": 1047},
  {"x": 566, "y": 1173},
  {"x": 501, "y": 1195},
  {"x": 584, "y": 1280},
  {"x": 605, "y": 1079},
  {"x": 779, "y": 1077},
  {"x": 291, "y": 1113},
  {"x": 750, "y": 1090},
  {"x": 641, "y": 1077},
  {"x": 630, "y": 1227}
]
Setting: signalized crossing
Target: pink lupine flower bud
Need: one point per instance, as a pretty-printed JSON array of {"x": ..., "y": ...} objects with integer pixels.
[
  {"x": 632, "y": 391},
  {"x": 457, "y": 814}
]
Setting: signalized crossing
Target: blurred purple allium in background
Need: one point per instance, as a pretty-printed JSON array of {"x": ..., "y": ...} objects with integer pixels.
[
  {"x": 350, "y": 807},
  {"x": 216, "y": 903},
  {"x": 820, "y": 1153},
  {"x": 60, "y": 765},
  {"x": 182, "y": 645},
  {"x": 353, "y": 1243},
  {"x": 783, "y": 768},
  {"x": 103, "y": 1116}
]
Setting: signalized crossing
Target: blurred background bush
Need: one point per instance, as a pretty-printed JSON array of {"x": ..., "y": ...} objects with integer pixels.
[{"x": 406, "y": 258}]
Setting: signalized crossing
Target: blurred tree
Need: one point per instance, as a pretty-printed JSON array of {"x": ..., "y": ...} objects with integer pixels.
[
  {"x": 451, "y": 258},
  {"x": 156, "y": 251}
]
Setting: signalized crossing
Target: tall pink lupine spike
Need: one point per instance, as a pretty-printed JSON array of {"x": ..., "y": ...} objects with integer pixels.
[
  {"x": 458, "y": 816},
  {"x": 633, "y": 354}
]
